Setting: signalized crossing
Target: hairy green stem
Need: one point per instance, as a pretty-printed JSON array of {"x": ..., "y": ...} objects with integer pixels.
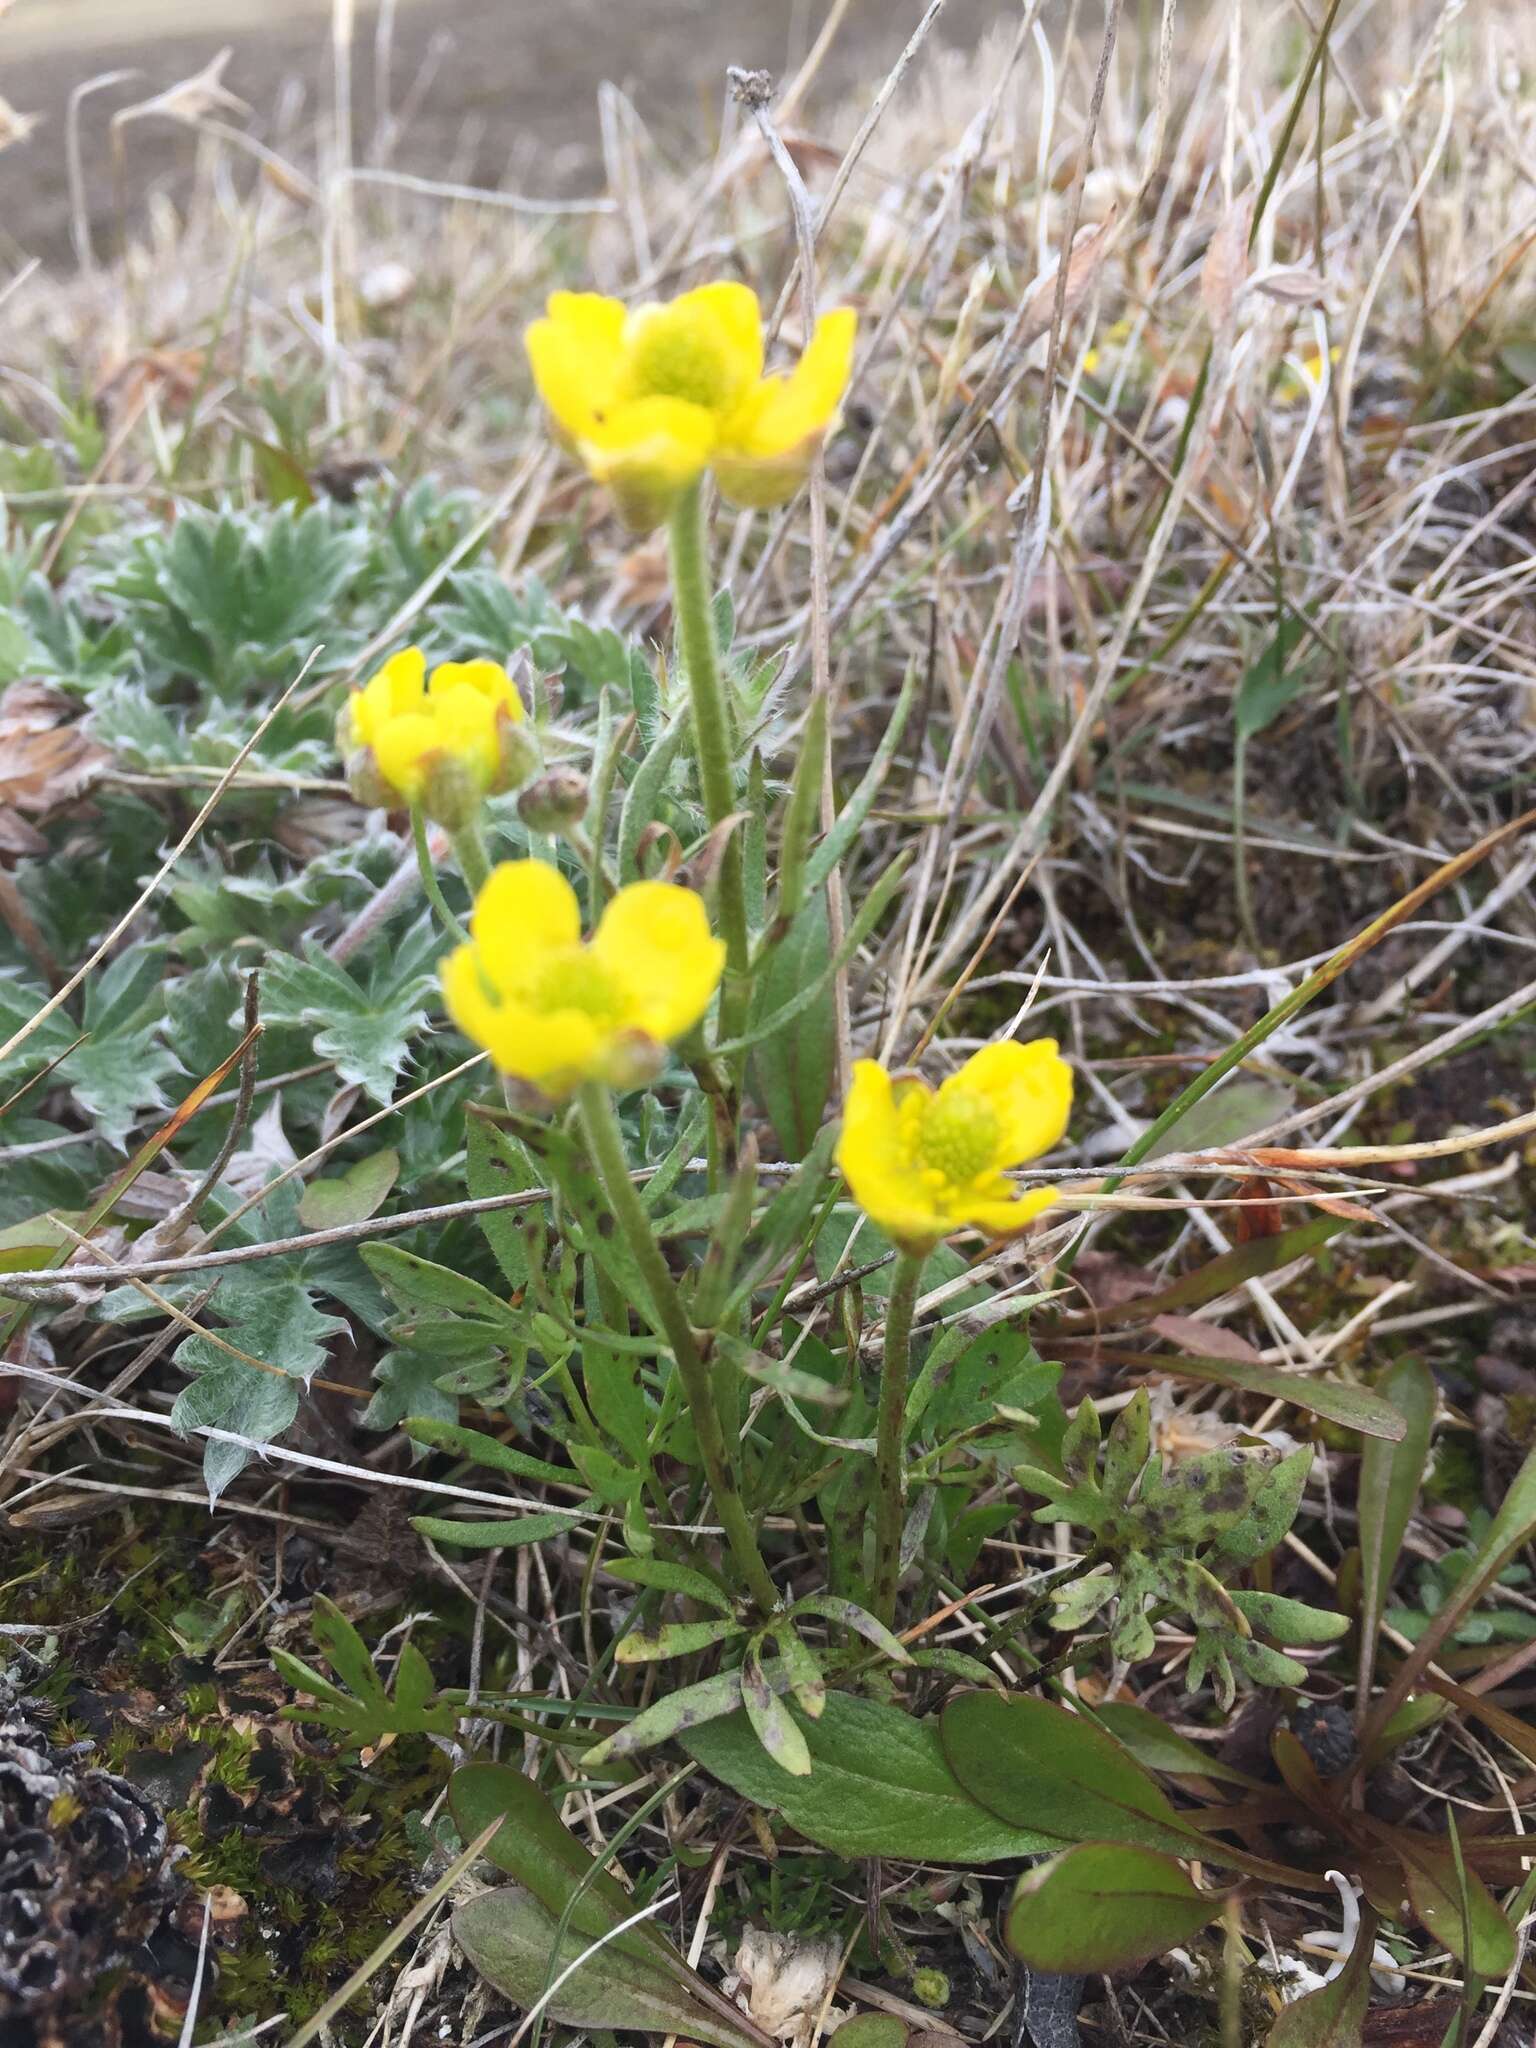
[
  {"x": 712, "y": 735},
  {"x": 431, "y": 888},
  {"x": 890, "y": 1441},
  {"x": 671, "y": 1322},
  {"x": 469, "y": 851}
]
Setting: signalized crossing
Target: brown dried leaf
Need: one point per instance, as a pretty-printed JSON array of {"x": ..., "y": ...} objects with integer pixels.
[
  {"x": 1207, "y": 1340},
  {"x": 1110, "y": 1281},
  {"x": 190, "y": 99},
  {"x": 1260, "y": 1215},
  {"x": 1225, "y": 269},
  {"x": 1089, "y": 248},
  {"x": 1291, "y": 284},
  {"x": 45, "y": 762}
]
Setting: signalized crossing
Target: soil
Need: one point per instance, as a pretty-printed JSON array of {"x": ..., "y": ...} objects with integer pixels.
[{"x": 492, "y": 90}]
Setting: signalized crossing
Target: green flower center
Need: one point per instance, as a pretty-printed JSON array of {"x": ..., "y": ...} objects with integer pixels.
[
  {"x": 959, "y": 1136},
  {"x": 675, "y": 359},
  {"x": 575, "y": 981}
]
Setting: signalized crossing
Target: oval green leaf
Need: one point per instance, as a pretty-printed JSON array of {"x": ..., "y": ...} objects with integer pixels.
[
  {"x": 879, "y": 1786},
  {"x": 1101, "y": 1907},
  {"x": 1037, "y": 1766}
]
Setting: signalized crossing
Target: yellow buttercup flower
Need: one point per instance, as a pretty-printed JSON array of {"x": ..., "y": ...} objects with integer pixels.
[
  {"x": 652, "y": 398},
  {"x": 442, "y": 742},
  {"x": 555, "y": 1010},
  {"x": 1292, "y": 389},
  {"x": 924, "y": 1162}
]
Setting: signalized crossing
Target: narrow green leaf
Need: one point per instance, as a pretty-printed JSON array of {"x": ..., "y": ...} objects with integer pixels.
[
  {"x": 345, "y": 1651},
  {"x": 1227, "y": 1115},
  {"x": 858, "y": 807},
  {"x": 674, "y": 1639},
  {"x": 671, "y": 1578},
  {"x": 1289, "y": 1621},
  {"x": 496, "y": 1164},
  {"x": 873, "y": 908},
  {"x": 1270, "y": 684},
  {"x": 642, "y": 798},
  {"x": 1390, "y": 1477},
  {"x": 484, "y": 1450},
  {"x": 792, "y": 1065},
  {"x": 492, "y": 1535},
  {"x": 849, "y": 1614},
  {"x": 415, "y": 1282},
  {"x": 771, "y": 1722},
  {"x": 676, "y": 1715}
]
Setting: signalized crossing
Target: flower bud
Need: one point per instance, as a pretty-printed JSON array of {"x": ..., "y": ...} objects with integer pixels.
[
  {"x": 634, "y": 1060},
  {"x": 519, "y": 755},
  {"x": 366, "y": 784},
  {"x": 556, "y": 802}
]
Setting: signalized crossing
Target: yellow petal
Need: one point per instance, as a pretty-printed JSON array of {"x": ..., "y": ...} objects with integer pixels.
[
  {"x": 577, "y": 356},
  {"x": 654, "y": 939},
  {"x": 808, "y": 402},
  {"x": 399, "y": 687},
  {"x": 648, "y": 452},
  {"x": 1030, "y": 1090},
  {"x": 999, "y": 1218},
  {"x": 766, "y": 448},
  {"x": 402, "y": 747},
  {"x": 526, "y": 911},
  {"x": 466, "y": 729},
  {"x": 553, "y": 1051},
  {"x": 488, "y": 678},
  {"x": 873, "y": 1160}
]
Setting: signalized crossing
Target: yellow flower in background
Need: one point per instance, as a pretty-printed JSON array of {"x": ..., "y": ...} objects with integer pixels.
[
  {"x": 442, "y": 742},
  {"x": 924, "y": 1162},
  {"x": 555, "y": 1010},
  {"x": 1291, "y": 389},
  {"x": 652, "y": 398}
]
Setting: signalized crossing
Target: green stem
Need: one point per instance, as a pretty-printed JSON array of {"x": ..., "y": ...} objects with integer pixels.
[
  {"x": 1240, "y": 843},
  {"x": 712, "y": 735},
  {"x": 469, "y": 851},
  {"x": 671, "y": 1323},
  {"x": 895, "y": 1372},
  {"x": 429, "y": 882}
]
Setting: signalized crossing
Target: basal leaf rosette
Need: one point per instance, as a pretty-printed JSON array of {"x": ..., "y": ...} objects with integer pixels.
[
  {"x": 651, "y": 398},
  {"x": 555, "y": 1010},
  {"x": 926, "y": 1162},
  {"x": 439, "y": 743}
]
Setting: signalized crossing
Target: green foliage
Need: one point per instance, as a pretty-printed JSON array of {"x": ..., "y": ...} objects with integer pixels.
[
  {"x": 362, "y": 1027},
  {"x": 117, "y": 1071},
  {"x": 565, "y": 1907},
  {"x": 271, "y": 1321},
  {"x": 520, "y": 1344},
  {"x": 236, "y": 599},
  {"x": 1170, "y": 1537},
  {"x": 360, "y": 1708},
  {"x": 879, "y": 1785},
  {"x": 1101, "y": 1907}
]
